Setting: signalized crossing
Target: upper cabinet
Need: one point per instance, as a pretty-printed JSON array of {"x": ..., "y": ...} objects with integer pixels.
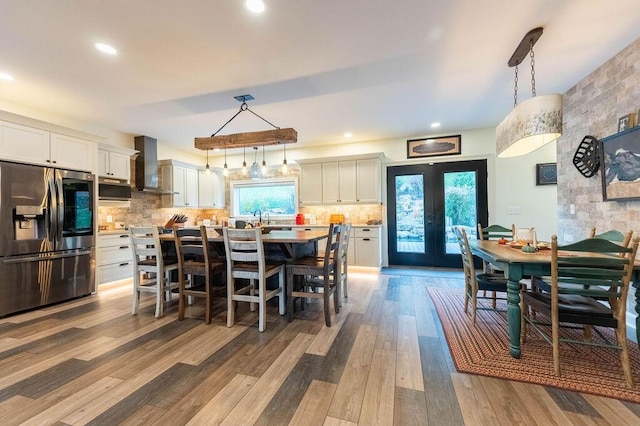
[
  {"x": 115, "y": 162},
  {"x": 311, "y": 184},
  {"x": 339, "y": 182},
  {"x": 182, "y": 180},
  {"x": 345, "y": 180},
  {"x": 30, "y": 145},
  {"x": 211, "y": 189}
]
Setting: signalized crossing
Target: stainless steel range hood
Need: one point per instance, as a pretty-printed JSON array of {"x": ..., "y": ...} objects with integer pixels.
[{"x": 147, "y": 165}]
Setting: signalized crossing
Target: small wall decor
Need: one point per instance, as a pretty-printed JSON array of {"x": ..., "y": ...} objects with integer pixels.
[
  {"x": 430, "y": 147},
  {"x": 620, "y": 160},
  {"x": 546, "y": 174},
  {"x": 626, "y": 122},
  {"x": 587, "y": 156}
]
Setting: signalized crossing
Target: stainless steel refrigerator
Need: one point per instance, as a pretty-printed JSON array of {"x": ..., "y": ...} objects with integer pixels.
[{"x": 47, "y": 240}]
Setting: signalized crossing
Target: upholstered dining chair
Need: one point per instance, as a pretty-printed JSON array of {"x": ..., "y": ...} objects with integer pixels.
[
  {"x": 246, "y": 261},
  {"x": 148, "y": 258},
  {"x": 475, "y": 282},
  {"x": 583, "y": 274},
  {"x": 195, "y": 259},
  {"x": 312, "y": 277}
]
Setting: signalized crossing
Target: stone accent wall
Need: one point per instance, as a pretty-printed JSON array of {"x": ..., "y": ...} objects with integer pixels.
[{"x": 592, "y": 107}]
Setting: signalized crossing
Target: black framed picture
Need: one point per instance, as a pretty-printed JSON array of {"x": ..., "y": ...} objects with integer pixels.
[
  {"x": 431, "y": 147},
  {"x": 546, "y": 174},
  {"x": 620, "y": 165}
]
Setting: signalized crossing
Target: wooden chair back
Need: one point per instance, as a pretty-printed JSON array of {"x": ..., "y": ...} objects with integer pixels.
[
  {"x": 245, "y": 252},
  {"x": 467, "y": 258},
  {"x": 613, "y": 235},
  {"x": 147, "y": 252},
  {"x": 495, "y": 232}
]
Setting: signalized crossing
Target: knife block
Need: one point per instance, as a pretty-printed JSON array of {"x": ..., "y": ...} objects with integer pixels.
[{"x": 171, "y": 222}]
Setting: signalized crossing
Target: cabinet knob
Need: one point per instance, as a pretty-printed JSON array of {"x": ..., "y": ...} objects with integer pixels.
[
  {"x": 48, "y": 161},
  {"x": 54, "y": 161},
  {"x": 124, "y": 264}
]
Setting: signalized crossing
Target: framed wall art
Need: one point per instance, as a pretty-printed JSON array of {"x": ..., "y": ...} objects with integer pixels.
[
  {"x": 620, "y": 165},
  {"x": 626, "y": 122},
  {"x": 546, "y": 174},
  {"x": 431, "y": 147}
]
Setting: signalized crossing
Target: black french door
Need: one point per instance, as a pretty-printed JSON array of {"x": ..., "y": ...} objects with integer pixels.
[{"x": 425, "y": 203}]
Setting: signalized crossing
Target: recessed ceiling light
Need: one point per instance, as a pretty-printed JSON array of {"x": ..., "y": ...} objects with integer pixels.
[
  {"x": 105, "y": 48},
  {"x": 434, "y": 125},
  {"x": 348, "y": 134},
  {"x": 6, "y": 77},
  {"x": 255, "y": 6}
]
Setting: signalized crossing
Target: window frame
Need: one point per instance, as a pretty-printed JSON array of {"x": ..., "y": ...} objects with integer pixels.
[{"x": 233, "y": 208}]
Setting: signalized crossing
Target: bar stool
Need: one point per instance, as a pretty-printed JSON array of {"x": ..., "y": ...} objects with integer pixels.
[
  {"x": 245, "y": 260},
  {"x": 315, "y": 274},
  {"x": 148, "y": 258},
  {"x": 195, "y": 259}
]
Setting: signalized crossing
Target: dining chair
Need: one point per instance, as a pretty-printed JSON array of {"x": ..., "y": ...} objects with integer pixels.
[
  {"x": 343, "y": 263},
  {"x": 148, "y": 259},
  {"x": 583, "y": 274},
  {"x": 318, "y": 278},
  {"x": 474, "y": 282},
  {"x": 246, "y": 261},
  {"x": 195, "y": 260},
  {"x": 495, "y": 232},
  {"x": 613, "y": 236}
]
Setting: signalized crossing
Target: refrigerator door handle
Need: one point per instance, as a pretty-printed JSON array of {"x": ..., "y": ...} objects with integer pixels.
[
  {"x": 44, "y": 257},
  {"x": 59, "y": 208},
  {"x": 53, "y": 207}
]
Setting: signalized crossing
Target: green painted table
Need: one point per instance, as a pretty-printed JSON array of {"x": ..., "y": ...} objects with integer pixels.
[{"x": 517, "y": 265}]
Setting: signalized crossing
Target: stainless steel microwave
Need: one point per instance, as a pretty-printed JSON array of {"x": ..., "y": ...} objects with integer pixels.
[{"x": 114, "y": 190}]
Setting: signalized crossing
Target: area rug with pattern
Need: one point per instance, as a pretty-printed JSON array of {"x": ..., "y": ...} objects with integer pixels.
[{"x": 484, "y": 349}]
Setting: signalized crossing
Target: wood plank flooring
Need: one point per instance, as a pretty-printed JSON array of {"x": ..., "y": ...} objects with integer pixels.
[{"x": 384, "y": 362}]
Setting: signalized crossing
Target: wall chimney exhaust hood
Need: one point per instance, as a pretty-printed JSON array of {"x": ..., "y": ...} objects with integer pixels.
[{"x": 147, "y": 165}]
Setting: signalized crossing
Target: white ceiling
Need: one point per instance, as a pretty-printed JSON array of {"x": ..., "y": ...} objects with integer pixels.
[{"x": 377, "y": 68}]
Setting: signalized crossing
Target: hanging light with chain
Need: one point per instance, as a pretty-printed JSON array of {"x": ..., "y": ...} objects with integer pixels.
[
  {"x": 285, "y": 169},
  {"x": 225, "y": 169},
  {"x": 534, "y": 122}
]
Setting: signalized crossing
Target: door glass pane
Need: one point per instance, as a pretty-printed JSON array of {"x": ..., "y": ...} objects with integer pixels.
[
  {"x": 410, "y": 214},
  {"x": 460, "y": 207}
]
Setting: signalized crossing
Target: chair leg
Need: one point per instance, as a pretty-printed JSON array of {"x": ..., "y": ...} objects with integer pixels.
[
  {"x": 262, "y": 304},
  {"x": 493, "y": 299},
  {"x": 336, "y": 291},
  {"x": 207, "y": 300},
  {"x": 474, "y": 304},
  {"x": 327, "y": 303},
  {"x": 555, "y": 335},
  {"x": 621, "y": 335},
  {"x": 252, "y": 292},
  {"x": 159, "y": 297},
  {"x": 282, "y": 296},
  {"x": 136, "y": 293},
  {"x": 289, "y": 282},
  {"x": 181, "y": 298},
  {"x": 231, "y": 288},
  {"x": 345, "y": 285}
]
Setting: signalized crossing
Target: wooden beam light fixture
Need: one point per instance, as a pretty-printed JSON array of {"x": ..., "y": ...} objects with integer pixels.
[{"x": 247, "y": 139}]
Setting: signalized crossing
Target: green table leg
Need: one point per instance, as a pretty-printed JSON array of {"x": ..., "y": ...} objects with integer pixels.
[{"x": 513, "y": 316}]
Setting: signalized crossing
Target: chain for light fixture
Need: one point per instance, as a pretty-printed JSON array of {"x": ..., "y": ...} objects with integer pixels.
[
  {"x": 284, "y": 162},
  {"x": 244, "y": 161},
  {"x": 264, "y": 163},
  {"x": 207, "y": 170},
  {"x": 515, "y": 89},
  {"x": 225, "y": 170},
  {"x": 533, "y": 71}
]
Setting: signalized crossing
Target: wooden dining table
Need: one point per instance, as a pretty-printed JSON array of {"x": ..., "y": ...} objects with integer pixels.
[
  {"x": 517, "y": 265},
  {"x": 289, "y": 244}
]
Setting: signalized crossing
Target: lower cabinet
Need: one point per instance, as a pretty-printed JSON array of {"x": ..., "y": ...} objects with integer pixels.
[
  {"x": 115, "y": 258},
  {"x": 366, "y": 244}
]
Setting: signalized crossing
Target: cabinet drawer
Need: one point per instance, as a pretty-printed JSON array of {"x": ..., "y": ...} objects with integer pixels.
[
  {"x": 117, "y": 271},
  {"x": 112, "y": 240},
  {"x": 117, "y": 254},
  {"x": 367, "y": 232},
  {"x": 367, "y": 251}
]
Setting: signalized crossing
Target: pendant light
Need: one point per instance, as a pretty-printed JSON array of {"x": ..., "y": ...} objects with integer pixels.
[
  {"x": 264, "y": 163},
  {"x": 244, "y": 161},
  {"x": 225, "y": 170},
  {"x": 255, "y": 172},
  {"x": 207, "y": 170},
  {"x": 534, "y": 122},
  {"x": 285, "y": 169}
]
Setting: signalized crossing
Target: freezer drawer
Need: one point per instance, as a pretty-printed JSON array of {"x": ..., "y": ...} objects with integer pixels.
[{"x": 31, "y": 281}]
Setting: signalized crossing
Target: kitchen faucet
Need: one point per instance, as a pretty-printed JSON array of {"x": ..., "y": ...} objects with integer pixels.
[
  {"x": 259, "y": 215},
  {"x": 268, "y": 218}
]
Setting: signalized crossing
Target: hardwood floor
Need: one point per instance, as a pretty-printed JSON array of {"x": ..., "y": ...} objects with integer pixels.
[{"x": 385, "y": 361}]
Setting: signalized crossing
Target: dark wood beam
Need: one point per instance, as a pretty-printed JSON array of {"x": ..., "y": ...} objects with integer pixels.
[{"x": 248, "y": 139}]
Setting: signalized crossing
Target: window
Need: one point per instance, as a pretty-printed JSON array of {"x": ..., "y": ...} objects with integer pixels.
[{"x": 277, "y": 197}]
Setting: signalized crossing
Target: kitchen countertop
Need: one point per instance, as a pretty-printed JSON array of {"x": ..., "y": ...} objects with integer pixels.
[{"x": 114, "y": 231}]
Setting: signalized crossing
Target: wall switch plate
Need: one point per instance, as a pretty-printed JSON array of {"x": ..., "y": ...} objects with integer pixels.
[
  {"x": 109, "y": 218},
  {"x": 513, "y": 210},
  {"x": 572, "y": 209}
]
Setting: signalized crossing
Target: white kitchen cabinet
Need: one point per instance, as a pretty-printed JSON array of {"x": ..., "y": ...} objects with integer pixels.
[
  {"x": 339, "y": 182},
  {"x": 211, "y": 189},
  {"x": 113, "y": 164},
  {"x": 368, "y": 181},
  {"x": 26, "y": 144},
  {"x": 115, "y": 257},
  {"x": 311, "y": 184},
  {"x": 367, "y": 246},
  {"x": 182, "y": 181}
]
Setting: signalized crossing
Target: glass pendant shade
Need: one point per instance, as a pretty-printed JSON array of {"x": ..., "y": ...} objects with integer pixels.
[{"x": 529, "y": 126}]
